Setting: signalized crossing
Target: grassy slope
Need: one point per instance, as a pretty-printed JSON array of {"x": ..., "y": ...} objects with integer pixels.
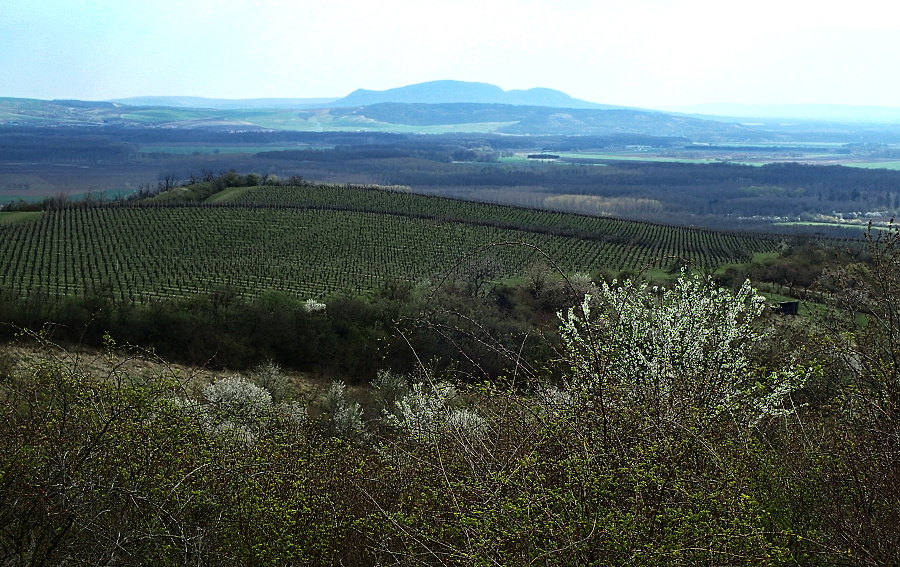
[
  {"x": 227, "y": 195},
  {"x": 18, "y": 217},
  {"x": 141, "y": 364}
]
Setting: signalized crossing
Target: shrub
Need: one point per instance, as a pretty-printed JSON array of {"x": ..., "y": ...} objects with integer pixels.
[
  {"x": 681, "y": 354},
  {"x": 344, "y": 417},
  {"x": 270, "y": 377},
  {"x": 237, "y": 402}
]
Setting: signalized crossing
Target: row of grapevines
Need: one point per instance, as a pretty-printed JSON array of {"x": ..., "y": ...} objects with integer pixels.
[
  {"x": 706, "y": 247},
  {"x": 322, "y": 239},
  {"x": 140, "y": 253}
]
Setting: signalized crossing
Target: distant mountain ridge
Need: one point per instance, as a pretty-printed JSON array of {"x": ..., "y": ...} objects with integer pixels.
[
  {"x": 224, "y": 103},
  {"x": 486, "y": 109},
  {"x": 432, "y": 92},
  {"x": 444, "y": 92},
  {"x": 404, "y": 117}
]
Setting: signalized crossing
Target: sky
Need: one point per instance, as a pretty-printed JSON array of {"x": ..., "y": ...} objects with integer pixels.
[{"x": 645, "y": 53}]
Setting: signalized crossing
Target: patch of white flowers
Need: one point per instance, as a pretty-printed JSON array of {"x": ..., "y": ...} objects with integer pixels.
[
  {"x": 236, "y": 399},
  {"x": 269, "y": 376},
  {"x": 425, "y": 411},
  {"x": 239, "y": 408},
  {"x": 346, "y": 416},
  {"x": 582, "y": 284},
  {"x": 292, "y": 413},
  {"x": 313, "y": 306},
  {"x": 556, "y": 402},
  {"x": 679, "y": 351}
]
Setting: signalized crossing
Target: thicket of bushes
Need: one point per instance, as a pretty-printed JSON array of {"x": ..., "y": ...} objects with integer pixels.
[
  {"x": 683, "y": 430},
  {"x": 351, "y": 337}
]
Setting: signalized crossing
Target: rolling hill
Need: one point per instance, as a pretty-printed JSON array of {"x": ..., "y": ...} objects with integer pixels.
[
  {"x": 415, "y": 118},
  {"x": 440, "y": 107},
  {"x": 319, "y": 240},
  {"x": 223, "y": 103},
  {"x": 542, "y": 120}
]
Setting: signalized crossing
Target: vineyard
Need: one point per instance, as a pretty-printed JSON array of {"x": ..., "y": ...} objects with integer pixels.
[{"x": 317, "y": 240}]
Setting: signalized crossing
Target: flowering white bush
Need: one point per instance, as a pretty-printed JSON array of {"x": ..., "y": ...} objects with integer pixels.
[
  {"x": 423, "y": 410},
  {"x": 292, "y": 413},
  {"x": 239, "y": 400},
  {"x": 238, "y": 408},
  {"x": 269, "y": 376},
  {"x": 464, "y": 423},
  {"x": 425, "y": 413},
  {"x": 313, "y": 306},
  {"x": 392, "y": 386},
  {"x": 676, "y": 352},
  {"x": 556, "y": 402},
  {"x": 581, "y": 284},
  {"x": 346, "y": 416}
]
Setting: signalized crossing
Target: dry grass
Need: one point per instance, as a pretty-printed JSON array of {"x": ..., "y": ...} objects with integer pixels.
[{"x": 137, "y": 364}]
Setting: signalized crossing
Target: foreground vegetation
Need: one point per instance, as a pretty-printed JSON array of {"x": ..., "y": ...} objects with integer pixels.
[
  {"x": 685, "y": 427},
  {"x": 511, "y": 407}
]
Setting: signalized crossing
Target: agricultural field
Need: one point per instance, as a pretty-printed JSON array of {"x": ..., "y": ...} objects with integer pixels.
[
  {"x": 318, "y": 240},
  {"x": 755, "y": 155},
  {"x": 877, "y": 165},
  {"x": 706, "y": 248}
]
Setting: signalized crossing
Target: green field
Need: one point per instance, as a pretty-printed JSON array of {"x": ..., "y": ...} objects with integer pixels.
[
  {"x": 162, "y": 115},
  {"x": 702, "y": 247},
  {"x": 321, "y": 240},
  {"x": 18, "y": 217},
  {"x": 292, "y": 120},
  {"x": 618, "y": 156},
  {"x": 19, "y": 197},
  {"x": 226, "y": 195},
  {"x": 631, "y": 156},
  {"x": 350, "y": 124},
  {"x": 700, "y": 156},
  {"x": 40, "y": 195},
  {"x": 876, "y": 165}
]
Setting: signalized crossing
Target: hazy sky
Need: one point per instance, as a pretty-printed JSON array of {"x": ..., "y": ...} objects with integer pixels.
[{"x": 650, "y": 53}]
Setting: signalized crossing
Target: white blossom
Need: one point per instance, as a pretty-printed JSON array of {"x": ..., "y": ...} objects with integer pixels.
[
  {"x": 426, "y": 412},
  {"x": 345, "y": 416},
  {"x": 313, "y": 306},
  {"x": 681, "y": 351},
  {"x": 236, "y": 399}
]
